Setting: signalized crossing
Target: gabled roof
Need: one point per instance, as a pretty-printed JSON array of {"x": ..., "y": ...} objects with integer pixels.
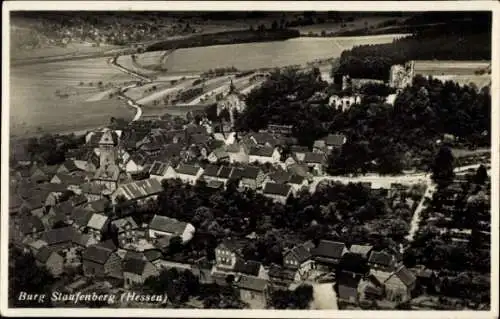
[
  {"x": 249, "y": 172},
  {"x": 81, "y": 216},
  {"x": 215, "y": 184},
  {"x": 296, "y": 179},
  {"x": 78, "y": 200},
  {"x": 263, "y": 137},
  {"x": 280, "y": 177},
  {"x": 381, "y": 258},
  {"x": 134, "y": 266},
  {"x": 299, "y": 149},
  {"x": 152, "y": 255},
  {"x": 167, "y": 224},
  {"x": 158, "y": 168},
  {"x": 98, "y": 206},
  {"x": 299, "y": 253},
  {"x": 232, "y": 245},
  {"x": 335, "y": 140},
  {"x": 251, "y": 283},
  {"x": 211, "y": 170},
  {"x": 123, "y": 222},
  {"x": 92, "y": 188},
  {"x": 316, "y": 158},
  {"x": 68, "y": 179},
  {"x": 329, "y": 249},
  {"x": 70, "y": 165},
  {"x": 277, "y": 189},
  {"x": 247, "y": 267},
  {"x": 263, "y": 151},
  {"x": 97, "y": 253},
  {"x": 58, "y": 235},
  {"x": 52, "y": 187},
  {"x": 141, "y": 189},
  {"x": 405, "y": 275},
  {"x": 107, "y": 172},
  {"x": 282, "y": 273},
  {"x": 97, "y": 221},
  {"x": 43, "y": 254},
  {"x": 225, "y": 172},
  {"x": 64, "y": 208},
  {"x": 29, "y": 224},
  {"x": 362, "y": 250},
  {"x": 187, "y": 169}
]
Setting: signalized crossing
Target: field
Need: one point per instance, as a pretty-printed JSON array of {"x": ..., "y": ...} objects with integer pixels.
[
  {"x": 127, "y": 62},
  {"x": 349, "y": 42},
  {"x": 332, "y": 27},
  {"x": 35, "y": 107},
  {"x": 461, "y": 72}
]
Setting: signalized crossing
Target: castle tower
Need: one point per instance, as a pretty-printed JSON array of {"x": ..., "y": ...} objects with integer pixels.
[{"x": 108, "y": 153}]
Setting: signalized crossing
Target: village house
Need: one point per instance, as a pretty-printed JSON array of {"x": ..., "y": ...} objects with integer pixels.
[
  {"x": 263, "y": 139},
  {"x": 370, "y": 289},
  {"x": 347, "y": 284},
  {"x": 362, "y": 250},
  {"x": 79, "y": 218},
  {"x": 218, "y": 155},
  {"x": 253, "y": 291},
  {"x": 51, "y": 259},
  {"x": 15, "y": 204},
  {"x": 238, "y": 152},
  {"x": 28, "y": 226},
  {"x": 133, "y": 162},
  {"x": 344, "y": 102},
  {"x": 329, "y": 143},
  {"x": 189, "y": 174},
  {"x": 162, "y": 226},
  {"x": 101, "y": 261},
  {"x": 161, "y": 171},
  {"x": 78, "y": 200},
  {"x": 136, "y": 271},
  {"x": 281, "y": 277},
  {"x": 427, "y": 279},
  {"x": 42, "y": 174},
  {"x": 315, "y": 162},
  {"x": 249, "y": 177},
  {"x": 99, "y": 206},
  {"x": 327, "y": 254},
  {"x": 298, "y": 183},
  {"x": 264, "y": 154},
  {"x": 400, "y": 285},
  {"x": 126, "y": 228},
  {"x": 72, "y": 182},
  {"x": 97, "y": 225},
  {"x": 298, "y": 152},
  {"x": 94, "y": 191},
  {"x": 277, "y": 192},
  {"x": 227, "y": 252},
  {"x": 299, "y": 259},
  {"x": 381, "y": 261},
  {"x": 68, "y": 167},
  {"x": 138, "y": 191}
]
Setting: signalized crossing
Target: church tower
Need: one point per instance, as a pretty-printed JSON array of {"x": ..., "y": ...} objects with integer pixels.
[{"x": 108, "y": 153}]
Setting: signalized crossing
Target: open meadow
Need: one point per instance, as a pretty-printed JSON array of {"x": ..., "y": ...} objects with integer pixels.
[
  {"x": 61, "y": 96},
  {"x": 461, "y": 72}
]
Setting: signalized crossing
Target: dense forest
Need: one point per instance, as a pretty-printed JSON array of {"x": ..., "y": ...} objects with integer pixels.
[
  {"x": 380, "y": 137},
  {"x": 374, "y": 61}
]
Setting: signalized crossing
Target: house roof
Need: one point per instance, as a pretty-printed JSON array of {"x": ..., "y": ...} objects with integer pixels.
[
  {"x": 97, "y": 253},
  {"x": 81, "y": 216},
  {"x": 211, "y": 170},
  {"x": 264, "y": 151},
  {"x": 225, "y": 172},
  {"x": 134, "y": 266},
  {"x": 70, "y": 165},
  {"x": 248, "y": 172},
  {"x": 381, "y": 258},
  {"x": 78, "y": 200},
  {"x": 43, "y": 254},
  {"x": 52, "y": 187},
  {"x": 249, "y": 267},
  {"x": 300, "y": 253},
  {"x": 335, "y": 140},
  {"x": 92, "y": 188},
  {"x": 70, "y": 179},
  {"x": 277, "y": 189},
  {"x": 58, "y": 235},
  {"x": 405, "y": 275},
  {"x": 296, "y": 179},
  {"x": 276, "y": 271},
  {"x": 98, "y": 206},
  {"x": 232, "y": 245},
  {"x": 299, "y": 149},
  {"x": 264, "y": 137},
  {"x": 348, "y": 279},
  {"x": 251, "y": 283},
  {"x": 14, "y": 201},
  {"x": 158, "y": 168},
  {"x": 316, "y": 158},
  {"x": 30, "y": 223},
  {"x": 167, "y": 224},
  {"x": 220, "y": 152},
  {"x": 142, "y": 188},
  {"x": 64, "y": 208},
  {"x": 363, "y": 250},
  {"x": 97, "y": 221},
  {"x": 329, "y": 249},
  {"x": 123, "y": 222},
  {"x": 215, "y": 184},
  {"x": 152, "y": 255},
  {"x": 280, "y": 177},
  {"x": 107, "y": 172},
  {"x": 187, "y": 169}
]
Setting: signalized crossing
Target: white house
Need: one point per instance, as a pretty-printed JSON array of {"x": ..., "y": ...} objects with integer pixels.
[
  {"x": 162, "y": 226},
  {"x": 264, "y": 154},
  {"x": 344, "y": 102},
  {"x": 160, "y": 171},
  {"x": 189, "y": 174}
]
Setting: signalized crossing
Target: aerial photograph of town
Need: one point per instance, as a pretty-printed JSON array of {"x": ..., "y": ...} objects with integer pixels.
[{"x": 272, "y": 160}]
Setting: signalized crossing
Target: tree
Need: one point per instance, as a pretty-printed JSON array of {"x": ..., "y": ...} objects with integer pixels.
[
  {"x": 442, "y": 169},
  {"x": 26, "y": 276},
  {"x": 481, "y": 175}
]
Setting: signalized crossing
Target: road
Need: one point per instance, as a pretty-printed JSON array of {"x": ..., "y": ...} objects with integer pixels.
[{"x": 415, "y": 221}]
